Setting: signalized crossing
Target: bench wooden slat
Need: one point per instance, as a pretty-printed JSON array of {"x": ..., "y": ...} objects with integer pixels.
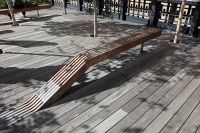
[{"x": 64, "y": 79}]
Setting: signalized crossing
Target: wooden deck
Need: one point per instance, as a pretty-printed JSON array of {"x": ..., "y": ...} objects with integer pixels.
[{"x": 157, "y": 91}]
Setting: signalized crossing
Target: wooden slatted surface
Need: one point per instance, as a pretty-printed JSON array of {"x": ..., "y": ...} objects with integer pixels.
[
  {"x": 107, "y": 51},
  {"x": 64, "y": 78},
  {"x": 150, "y": 90}
]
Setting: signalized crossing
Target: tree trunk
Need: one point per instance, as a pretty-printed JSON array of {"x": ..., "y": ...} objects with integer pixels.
[
  {"x": 179, "y": 21},
  {"x": 11, "y": 13},
  {"x": 95, "y": 18}
]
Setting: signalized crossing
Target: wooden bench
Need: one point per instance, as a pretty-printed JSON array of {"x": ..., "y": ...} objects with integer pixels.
[
  {"x": 66, "y": 76},
  {"x": 39, "y": 7}
]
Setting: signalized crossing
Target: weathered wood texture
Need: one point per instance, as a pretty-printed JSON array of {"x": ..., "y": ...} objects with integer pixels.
[
  {"x": 106, "y": 51},
  {"x": 150, "y": 86},
  {"x": 63, "y": 79}
]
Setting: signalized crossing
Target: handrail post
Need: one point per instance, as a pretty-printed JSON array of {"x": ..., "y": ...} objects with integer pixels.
[{"x": 141, "y": 48}]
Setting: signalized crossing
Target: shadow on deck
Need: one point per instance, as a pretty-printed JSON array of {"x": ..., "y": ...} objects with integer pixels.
[{"x": 121, "y": 69}]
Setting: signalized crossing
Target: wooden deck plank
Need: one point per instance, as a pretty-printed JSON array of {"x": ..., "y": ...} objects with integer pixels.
[
  {"x": 7, "y": 92},
  {"x": 22, "y": 36},
  {"x": 143, "y": 121},
  {"x": 77, "y": 111},
  {"x": 28, "y": 67},
  {"x": 18, "y": 32},
  {"x": 25, "y": 72},
  {"x": 42, "y": 39},
  {"x": 140, "y": 110},
  {"x": 15, "y": 97},
  {"x": 173, "y": 107},
  {"x": 24, "y": 63},
  {"x": 180, "y": 117},
  {"x": 20, "y": 73},
  {"x": 77, "y": 100},
  {"x": 93, "y": 111},
  {"x": 68, "y": 47},
  {"x": 161, "y": 105},
  {"x": 145, "y": 89},
  {"x": 192, "y": 123},
  {"x": 26, "y": 42},
  {"x": 41, "y": 57},
  {"x": 77, "y": 95},
  {"x": 110, "y": 121},
  {"x": 134, "y": 94},
  {"x": 34, "y": 50},
  {"x": 198, "y": 130},
  {"x": 33, "y": 61},
  {"x": 53, "y": 40}
]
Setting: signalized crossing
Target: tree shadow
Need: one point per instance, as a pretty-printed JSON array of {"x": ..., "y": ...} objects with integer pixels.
[
  {"x": 83, "y": 28},
  {"x": 117, "y": 68},
  {"x": 108, "y": 83},
  {"x": 26, "y": 44},
  {"x": 28, "y": 125},
  {"x": 43, "y": 18},
  {"x": 13, "y": 75},
  {"x": 132, "y": 130},
  {"x": 29, "y": 19},
  {"x": 6, "y": 31},
  {"x": 121, "y": 61},
  {"x": 86, "y": 85},
  {"x": 154, "y": 105},
  {"x": 46, "y": 54}
]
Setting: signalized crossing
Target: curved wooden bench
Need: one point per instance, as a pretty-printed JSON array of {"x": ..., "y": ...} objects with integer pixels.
[
  {"x": 67, "y": 75},
  {"x": 39, "y": 7}
]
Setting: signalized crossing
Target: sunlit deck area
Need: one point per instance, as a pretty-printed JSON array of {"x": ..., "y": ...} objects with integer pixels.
[{"x": 154, "y": 91}]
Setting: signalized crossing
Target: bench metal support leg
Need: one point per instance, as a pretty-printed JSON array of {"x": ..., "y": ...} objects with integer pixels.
[
  {"x": 141, "y": 48},
  {"x": 65, "y": 6},
  {"x": 38, "y": 13},
  {"x": 1, "y": 51}
]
